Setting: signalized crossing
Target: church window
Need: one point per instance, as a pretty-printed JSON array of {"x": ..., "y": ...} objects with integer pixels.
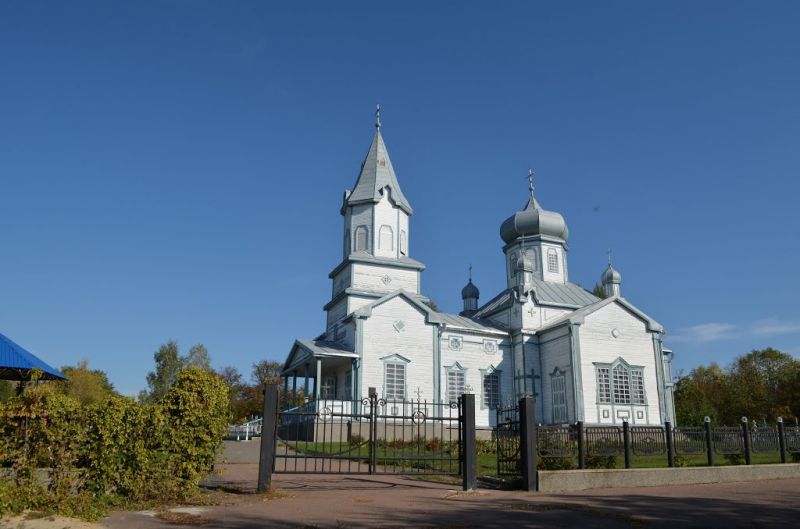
[
  {"x": 362, "y": 239},
  {"x": 622, "y": 385},
  {"x": 531, "y": 253},
  {"x": 403, "y": 249},
  {"x": 552, "y": 261},
  {"x": 456, "y": 382},
  {"x": 386, "y": 238},
  {"x": 558, "y": 387},
  {"x": 491, "y": 390},
  {"x": 637, "y": 386},
  {"x": 394, "y": 387},
  {"x": 619, "y": 383},
  {"x": 603, "y": 385}
]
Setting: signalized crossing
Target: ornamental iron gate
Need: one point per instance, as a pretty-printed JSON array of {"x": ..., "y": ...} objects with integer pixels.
[
  {"x": 370, "y": 436},
  {"x": 507, "y": 438}
]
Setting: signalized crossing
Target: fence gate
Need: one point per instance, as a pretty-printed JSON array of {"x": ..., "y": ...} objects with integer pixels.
[
  {"x": 508, "y": 439},
  {"x": 370, "y": 436}
]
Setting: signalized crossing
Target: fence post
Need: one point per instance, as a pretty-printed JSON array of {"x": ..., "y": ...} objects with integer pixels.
[
  {"x": 626, "y": 442},
  {"x": 746, "y": 435},
  {"x": 373, "y": 428},
  {"x": 781, "y": 440},
  {"x": 468, "y": 446},
  {"x": 581, "y": 447},
  {"x": 670, "y": 446},
  {"x": 709, "y": 441},
  {"x": 266, "y": 460},
  {"x": 528, "y": 443}
]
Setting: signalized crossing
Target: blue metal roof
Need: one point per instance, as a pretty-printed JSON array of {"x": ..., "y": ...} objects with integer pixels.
[{"x": 16, "y": 362}]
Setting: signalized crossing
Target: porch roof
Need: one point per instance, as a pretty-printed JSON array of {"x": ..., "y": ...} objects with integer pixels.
[{"x": 305, "y": 350}]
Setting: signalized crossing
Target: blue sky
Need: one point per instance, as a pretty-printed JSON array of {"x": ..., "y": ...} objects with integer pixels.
[{"x": 174, "y": 169}]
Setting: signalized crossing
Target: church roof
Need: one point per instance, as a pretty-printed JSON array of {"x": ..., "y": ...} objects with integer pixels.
[
  {"x": 470, "y": 324},
  {"x": 544, "y": 293},
  {"x": 377, "y": 173},
  {"x": 366, "y": 257},
  {"x": 533, "y": 220},
  {"x": 303, "y": 349}
]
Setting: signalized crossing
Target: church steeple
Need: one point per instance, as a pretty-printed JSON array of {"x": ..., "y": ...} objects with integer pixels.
[{"x": 376, "y": 175}]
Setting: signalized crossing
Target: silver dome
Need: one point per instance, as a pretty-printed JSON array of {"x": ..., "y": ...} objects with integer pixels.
[
  {"x": 533, "y": 220},
  {"x": 611, "y": 276}
]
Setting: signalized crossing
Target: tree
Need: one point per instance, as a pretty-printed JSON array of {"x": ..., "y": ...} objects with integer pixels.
[
  {"x": 599, "y": 291},
  {"x": 7, "y": 390},
  {"x": 87, "y": 386},
  {"x": 198, "y": 357},
  {"x": 168, "y": 364},
  {"x": 267, "y": 372}
]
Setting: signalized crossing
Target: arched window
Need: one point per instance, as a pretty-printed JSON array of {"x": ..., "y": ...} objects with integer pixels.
[
  {"x": 362, "y": 239},
  {"x": 403, "y": 249},
  {"x": 456, "y": 382},
  {"x": 531, "y": 253},
  {"x": 386, "y": 239},
  {"x": 491, "y": 389},
  {"x": 552, "y": 261}
]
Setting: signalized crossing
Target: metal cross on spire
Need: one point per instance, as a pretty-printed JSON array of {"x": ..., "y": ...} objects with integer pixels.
[
  {"x": 470, "y": 273},
  {"x": 378, "y": 116},
  {"x": 530, "y": 176},
  {"x": 609, "y": 257}
]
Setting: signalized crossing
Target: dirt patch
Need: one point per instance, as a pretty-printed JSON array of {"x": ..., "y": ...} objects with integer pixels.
[{"x": 37, "y": 520}]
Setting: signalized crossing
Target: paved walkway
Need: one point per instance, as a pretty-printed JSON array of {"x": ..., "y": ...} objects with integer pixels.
[{"x": 309, "y": 501}]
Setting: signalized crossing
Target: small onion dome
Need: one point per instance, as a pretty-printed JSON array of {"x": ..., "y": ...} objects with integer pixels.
[
  {"x": 470, "y": 291},
  {"x": 533, "y": 220},
  {"x": 525, "y": 263},
  {"x": 611, "y": 276}
]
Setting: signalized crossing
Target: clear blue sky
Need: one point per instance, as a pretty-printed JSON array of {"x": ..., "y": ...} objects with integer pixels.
[{"x": 174, "y": 169}]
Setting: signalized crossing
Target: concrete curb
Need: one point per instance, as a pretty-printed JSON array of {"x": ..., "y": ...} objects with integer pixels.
[{"x": 574, "y": 480}]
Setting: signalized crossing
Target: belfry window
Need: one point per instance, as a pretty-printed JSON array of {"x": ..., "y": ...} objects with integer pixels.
[
  {"x": 386, "y": 238},
  {"x": 552, "y": 261},
  {"x": 362, "y": 239},
  {"x": 403, "y": 249}
]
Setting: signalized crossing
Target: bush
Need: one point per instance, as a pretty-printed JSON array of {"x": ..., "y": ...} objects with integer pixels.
[
  {"x": 77, "y": 460},
  {"x": 556, "y": 463},
  {"x": 734, "y": 459},
  {"x": 681, "y": 461},
  {"x": 601, "y": 461}
]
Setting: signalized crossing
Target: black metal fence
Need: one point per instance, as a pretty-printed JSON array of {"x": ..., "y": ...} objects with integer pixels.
[
  {"x": 370, "y": 436},
  {"x": 580, "y": 446}
]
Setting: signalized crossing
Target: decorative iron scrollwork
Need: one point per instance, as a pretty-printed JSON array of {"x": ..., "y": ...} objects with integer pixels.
[{"x": 418, "y": 417}]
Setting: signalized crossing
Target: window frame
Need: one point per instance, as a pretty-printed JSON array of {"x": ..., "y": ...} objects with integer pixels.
[
  {"x": 552, "y": 261},
  {"x": 395, "y": 361},
  {"x": 455, "y": 369},
  {"x": 486, "y": 400},
  {"x": 631, "y": 381},
  {"x": 562, "y": 407},
  {"x": 361, "y": 228}
]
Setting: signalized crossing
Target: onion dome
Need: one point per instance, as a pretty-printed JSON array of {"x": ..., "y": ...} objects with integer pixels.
[
  {"x": 470, "y": 291},
  {"x": 611, "y": 276},
  {"x": 533, "y": 220}
]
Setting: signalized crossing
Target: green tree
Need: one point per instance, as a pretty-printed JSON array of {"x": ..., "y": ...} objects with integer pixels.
[
  {"x": 599, "y": 291},
  {"x": 87, "y": 386},
  {"x": 266, "y": 372},
  {"x": 763, "y": 379},
  {"x": 198, "y": 357},
  {"x": 168, "y": 365},
  {"x": 7, "y": 390}
]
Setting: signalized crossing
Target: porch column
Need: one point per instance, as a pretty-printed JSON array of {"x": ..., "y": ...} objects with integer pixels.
[
  {"x": 317, "y": 385},
  {"x": 305, "y": 383},
  {"x": 353, "y": 378},
  {"x": 294, "y": 383},
  {"x": 286, "y": 391}
]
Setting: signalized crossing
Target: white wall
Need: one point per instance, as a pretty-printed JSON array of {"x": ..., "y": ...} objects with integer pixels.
[
  {"x": 556, "y": 351},
  {"x": 369, "y": 277},
  {"x": 634, "y": 345}
]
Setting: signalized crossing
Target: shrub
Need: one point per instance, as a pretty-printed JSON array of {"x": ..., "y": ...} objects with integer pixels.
[
  {"x": 556, "y": 463},
  {"x": 734, "y": 459},
  {"x": 681, "y": 461},
  {"x": 596, "y": 461},
  {"x": 356, "y": 439},
  {"x": 74, "y": 459}
]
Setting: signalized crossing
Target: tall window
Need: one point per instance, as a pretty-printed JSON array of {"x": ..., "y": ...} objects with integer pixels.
[
  {"x": 456, "y": 383},
  {"x": 348, "y": 385},
  {"x": 394, "y": 386},
  {"x": 620, "y": 383},
  {"x": 558, "y": 386},
  {"x": 362, "y": 238},
  {"x": 386, "y": 238},
  {"x": 403, "y": 249},
  {"x": 329, "y": 388},
  {"x": 491, "y": 390},
  {"x": 552, "y": 260}
]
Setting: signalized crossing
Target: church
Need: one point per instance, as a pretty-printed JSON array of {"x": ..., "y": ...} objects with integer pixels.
[{"x": 583, "y": 358}]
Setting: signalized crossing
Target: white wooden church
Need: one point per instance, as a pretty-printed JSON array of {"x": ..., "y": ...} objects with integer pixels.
[{"x": 601, "y": 361}]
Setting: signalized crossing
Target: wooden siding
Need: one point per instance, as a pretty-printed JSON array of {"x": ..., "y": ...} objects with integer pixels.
[
  {"x": 634, "y": 345},
  {"x": 369, "y": 277},
  {"x": 555, "y": 349}
]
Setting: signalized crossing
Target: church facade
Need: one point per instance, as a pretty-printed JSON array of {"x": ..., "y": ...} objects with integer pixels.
[{"x": 600, "y": 361}]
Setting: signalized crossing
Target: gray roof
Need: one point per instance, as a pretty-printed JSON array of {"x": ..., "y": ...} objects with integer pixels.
[
  {"x": 545, "y": 293},
  {"x": 315, "y": 349},
  {"x": 366, "y": 257},
  {"x": 376, "y": 173},
  {"x": 470, "y": 324}
]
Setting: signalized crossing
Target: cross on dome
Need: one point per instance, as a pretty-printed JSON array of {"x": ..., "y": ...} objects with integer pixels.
[
  {"x": 378, "y": 116},
  {"x": 530, "y": 176}
]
